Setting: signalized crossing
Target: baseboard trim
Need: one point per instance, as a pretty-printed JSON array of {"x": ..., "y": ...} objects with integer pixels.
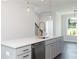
[{"x": 70, "y": 42}]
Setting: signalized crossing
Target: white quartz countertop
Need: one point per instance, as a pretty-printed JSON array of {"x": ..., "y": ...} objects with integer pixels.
[{"x": 16, "y": 43}]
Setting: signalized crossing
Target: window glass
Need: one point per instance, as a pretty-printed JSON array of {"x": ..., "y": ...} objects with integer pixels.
[{"x": 72, "y": 27}]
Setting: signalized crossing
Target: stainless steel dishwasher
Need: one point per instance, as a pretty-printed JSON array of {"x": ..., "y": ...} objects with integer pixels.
[{"x": 38, "y": 50}]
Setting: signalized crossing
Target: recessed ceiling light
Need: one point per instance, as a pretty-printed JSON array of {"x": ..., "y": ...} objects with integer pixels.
[
  {"x": 28, "y": 9},
  {"x": 42, "y": 0}
]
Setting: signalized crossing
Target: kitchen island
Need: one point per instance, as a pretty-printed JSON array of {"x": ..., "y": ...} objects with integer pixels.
[{"x": 21, "y": 48}]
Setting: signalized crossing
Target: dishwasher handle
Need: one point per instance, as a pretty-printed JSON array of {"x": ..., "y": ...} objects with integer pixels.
[{"x": 41, "y": 44}]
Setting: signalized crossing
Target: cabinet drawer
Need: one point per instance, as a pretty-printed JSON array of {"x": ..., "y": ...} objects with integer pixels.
[
  {"x": 23, "y": 50},
  {"x": 25, "y": 56},
  {"x": 50, "y": 41}
]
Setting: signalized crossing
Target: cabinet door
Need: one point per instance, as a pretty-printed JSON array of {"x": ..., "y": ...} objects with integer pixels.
[
  {"x": 50, "y": 51},
  {"x": 47, "y": 51},
  {"x": 53, "y": 51},
  {"x": 58, "y": 47},
  {"x": 55, "y": 48},
  {"x": 61, "y": 44}
]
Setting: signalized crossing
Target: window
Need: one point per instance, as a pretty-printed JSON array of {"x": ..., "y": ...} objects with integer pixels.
[{"x": 72, "y": 27}]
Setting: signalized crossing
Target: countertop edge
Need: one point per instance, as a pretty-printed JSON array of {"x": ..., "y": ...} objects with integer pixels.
[{"x": 15, "y": 47}]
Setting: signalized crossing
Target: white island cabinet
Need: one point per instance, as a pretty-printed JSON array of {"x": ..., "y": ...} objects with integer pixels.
[
  {"x": 21, "y": 48},
  {"x": 18, "y": 53},
  {"x": 53, "y": 47}
]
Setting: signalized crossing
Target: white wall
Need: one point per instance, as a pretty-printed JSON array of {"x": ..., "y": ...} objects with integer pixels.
[
  {"x": 57, "y": 24},
  {"x": 44, "y": 17},
  {"x": 16, "y": 22}
]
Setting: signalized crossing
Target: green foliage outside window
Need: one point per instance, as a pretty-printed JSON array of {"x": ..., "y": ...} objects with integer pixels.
[{"x": 71, "y": 27}]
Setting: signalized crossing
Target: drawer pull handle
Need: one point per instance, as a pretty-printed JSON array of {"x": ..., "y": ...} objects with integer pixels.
[
  {"x": 25, "y": 56},
  {"x": 26, "y": 50}
]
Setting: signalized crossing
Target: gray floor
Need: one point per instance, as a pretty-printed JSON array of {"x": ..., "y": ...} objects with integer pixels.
[{"x": 69, "y": 51}]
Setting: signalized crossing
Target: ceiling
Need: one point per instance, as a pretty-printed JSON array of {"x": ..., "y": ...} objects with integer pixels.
[{"x": 41, "y": 6}]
